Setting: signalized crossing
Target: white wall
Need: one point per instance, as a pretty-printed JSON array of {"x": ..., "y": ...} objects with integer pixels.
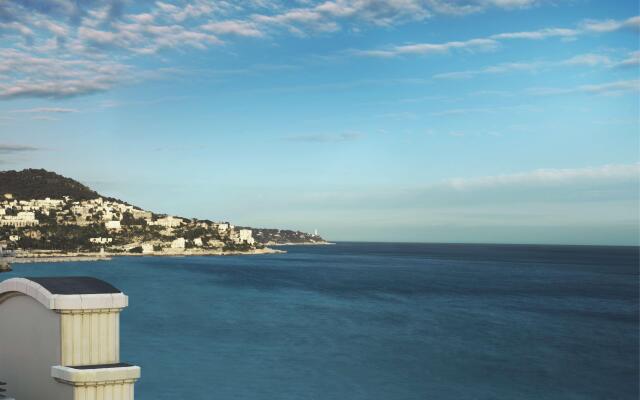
[{"x": 29, "y": 347}]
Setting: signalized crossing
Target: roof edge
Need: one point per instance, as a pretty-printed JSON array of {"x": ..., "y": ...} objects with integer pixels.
[{"x": 27, "y": 287}]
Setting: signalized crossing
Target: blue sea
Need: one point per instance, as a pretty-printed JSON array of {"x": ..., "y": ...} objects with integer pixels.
[{"x": 376, "y": 321}]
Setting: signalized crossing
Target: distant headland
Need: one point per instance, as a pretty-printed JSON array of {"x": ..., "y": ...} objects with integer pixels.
[{"x": 46, "y": 216}]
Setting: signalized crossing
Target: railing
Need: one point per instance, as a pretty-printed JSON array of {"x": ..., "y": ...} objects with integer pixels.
[{"x": 2, "y": 390}]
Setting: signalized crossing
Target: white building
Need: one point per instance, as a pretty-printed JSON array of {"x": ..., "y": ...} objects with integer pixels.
[
  {"x": 222, "y": 228},
  {"x": 179, "y": 243},
  {"x": 197, "y": 242},
  {"x": 141, "y": 214},
  {"x": 246, "y": 236},
  {"x": 24, "y": 218},
  {"x": 112, "y": 225},
  {"x": 48, "y": 203},
  {"x": 168, "y": 222},
  {"x": 100, "y": 240},
  {"x": 147, "y": 248}
]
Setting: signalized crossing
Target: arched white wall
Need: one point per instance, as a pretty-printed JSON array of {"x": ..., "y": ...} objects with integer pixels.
[{"x": 29, "y": 345}]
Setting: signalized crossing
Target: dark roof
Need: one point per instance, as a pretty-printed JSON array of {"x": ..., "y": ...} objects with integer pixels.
[
  {"x": 75, "y": 285},
  {"x": 100, "y": 366}
]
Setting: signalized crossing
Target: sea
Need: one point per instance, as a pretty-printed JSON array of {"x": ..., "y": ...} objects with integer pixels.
[{"x": 379, "y": 321}]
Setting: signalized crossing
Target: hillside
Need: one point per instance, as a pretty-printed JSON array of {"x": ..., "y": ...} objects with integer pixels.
[
  {"x": 39, "y": 184},
  {"x": 85, "y": 212},
  {"x": 269, "y": 237}
]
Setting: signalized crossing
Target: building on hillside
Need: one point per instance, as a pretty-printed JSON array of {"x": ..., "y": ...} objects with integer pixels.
[
  {"x": 215, "y": 243},
  {"x": 48, "y": 203},
  {"x": 243, "y": 236},
  {"x": 222, "y": 228},
  {"x": 246, "y": 236},
  {"x": 101, "y": 240},
  {"x": 197, "y": 242},
  {"x": 179, "y": 243},
  {"x": 168, "y": 222},
  {"x": 147, "y": 248},
  {"x": 115, "y": 225},
  {"x": 24, "y": 218},
  {"x": 141, "y": 214}
]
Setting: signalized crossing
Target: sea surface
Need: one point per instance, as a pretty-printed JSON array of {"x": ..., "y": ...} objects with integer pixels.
[{"x": 375, "y": 321}]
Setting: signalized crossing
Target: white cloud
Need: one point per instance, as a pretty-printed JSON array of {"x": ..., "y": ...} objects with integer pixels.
[
  {"x": 74, "y": 47},
  {"x": 551, "y": 177},
  {"x": 326, "y": 16},
  {"x": 26, "y": 75},
  {"x": 240, "y": 28},
  {"x": 632, "y": 60},
  {"x": 486, "y": 110},
  {"x": 611, "y": 25},
  {"x": 465, "y": 7},
  {"x": 608, "y": 88},
  {"x": 17, "y": 27},
  {"x": 537, "y": 35},
  {"x": 589, "y": 60},
  {"x": 325, "y": 138},
  {"x": 493, "y": 41},
  {"x": 431, "y": 48},
  {"x": 53, "y": 110}
]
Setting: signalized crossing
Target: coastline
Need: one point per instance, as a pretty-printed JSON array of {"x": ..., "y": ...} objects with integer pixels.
[
  {"x": 301, "y": 244},
  {"x": 52, "y": 257}
]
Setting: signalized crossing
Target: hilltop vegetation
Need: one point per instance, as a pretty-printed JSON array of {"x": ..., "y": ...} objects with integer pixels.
[{"x": 39, "y": 184}]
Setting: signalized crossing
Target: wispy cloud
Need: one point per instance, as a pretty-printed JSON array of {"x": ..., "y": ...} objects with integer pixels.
[
  {"x": 611, "y": 25},
  {"x": 239, "y": 28},
  {"x": 486, "y": 110},
  {"x": 72, "y": 48},
  {"x": 588, "y": 60},
  {"x": 620, "y": 172},
  {"x": 493, "y": 41},
  {"x": 633, "y": 60},
  {"x": 47, "y": 110},
  {"x": 325, "y": 138},
  {"x": 25, "y": 75},
  {"x": 16, "y": 148},
  {"x": 430, "y": 48},
  {"x": 538, "y": 34},
  {"x": 608, "y": 88}
]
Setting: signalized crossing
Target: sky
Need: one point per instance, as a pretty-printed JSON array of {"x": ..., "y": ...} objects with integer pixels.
[{"x": 491, "y": 121}]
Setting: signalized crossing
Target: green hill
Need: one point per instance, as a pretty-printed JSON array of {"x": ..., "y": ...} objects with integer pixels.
[{"x": 40, "y": 184}]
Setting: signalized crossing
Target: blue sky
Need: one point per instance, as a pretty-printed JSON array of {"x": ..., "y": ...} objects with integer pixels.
[{"x": 399, "y": 120}]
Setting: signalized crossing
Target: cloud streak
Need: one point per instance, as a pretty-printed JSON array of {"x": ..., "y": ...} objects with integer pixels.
[
  {"x": 543, "y": 177},
  {"x": 608, "y": 88},
  {"x": 15, "y": 148},
  {"x": 47, "y": 110},
  {"x": 324, "y": 138},
  {"x": 581, "y": 60},
  {"x": 493, "y": 41},
  {"x": 431, "y": 48}
]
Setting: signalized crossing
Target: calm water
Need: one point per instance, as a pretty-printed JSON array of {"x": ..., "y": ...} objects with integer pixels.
[{"x": 380, "y": 321}]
